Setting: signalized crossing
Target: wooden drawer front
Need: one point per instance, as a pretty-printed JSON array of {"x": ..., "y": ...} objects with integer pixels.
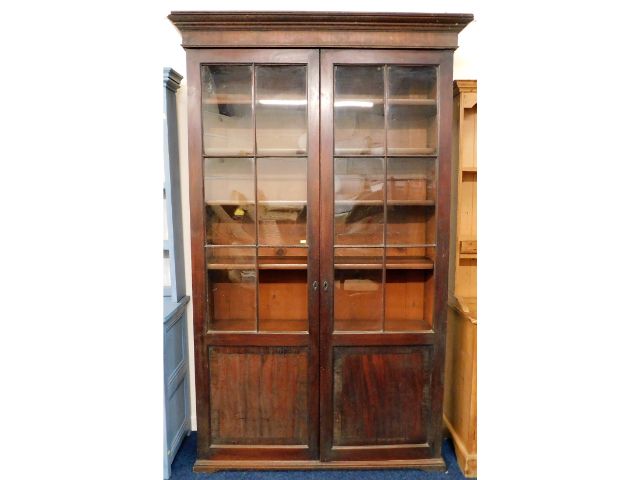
[
  {"x": 469, "y": 246},
  {"x": 381, "y": 395},
  {"x": 259, "y": 395}
]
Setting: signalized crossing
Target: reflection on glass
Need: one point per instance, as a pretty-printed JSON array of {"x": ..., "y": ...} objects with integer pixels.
[
  {"x": 359, "y": 179},
  {"x": 227, "y": 124},
  {"x": 231, "y": 224},
  {"x": 358, "y": 224},
  {"x": 412, "y": 126},
  {"x": 282, "y": 201},
  {"x": 412, "y": 83},
  {"x": 359, "y": 110},
  {"x": 228, "y": 180},
  {"x": 411, "y": 180},
  {"x": 231, "y": 289},
  {"x": 358, "y": 289},
  {"x": 408, "y": 300},
  {"x": 281, "y": 109},
  {"x": 413, "y": 224},
  {"x": 412, "y": 130}
]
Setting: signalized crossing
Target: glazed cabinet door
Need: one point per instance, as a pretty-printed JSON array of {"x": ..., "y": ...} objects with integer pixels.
[
  {"x": 385, "y": 146},
  {"x": 254, "y": 170}
]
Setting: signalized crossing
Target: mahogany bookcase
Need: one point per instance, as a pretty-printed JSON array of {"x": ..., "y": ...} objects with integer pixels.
[{"x": 320, "y": 175}]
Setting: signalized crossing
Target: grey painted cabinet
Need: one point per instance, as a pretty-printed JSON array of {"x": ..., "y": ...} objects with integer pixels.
[{"x": 177, "y": 415}]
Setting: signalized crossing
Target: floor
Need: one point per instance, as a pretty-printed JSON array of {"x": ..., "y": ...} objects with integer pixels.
[{"x": 183, "y": 464}]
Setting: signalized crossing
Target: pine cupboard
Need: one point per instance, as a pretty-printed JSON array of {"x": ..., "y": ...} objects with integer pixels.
[
  {"x": 320, "y": 169},
  {"x": 460, "y": 398}
]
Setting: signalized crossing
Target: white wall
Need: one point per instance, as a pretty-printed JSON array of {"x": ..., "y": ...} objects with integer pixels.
[{"x": 464, "y": 67}]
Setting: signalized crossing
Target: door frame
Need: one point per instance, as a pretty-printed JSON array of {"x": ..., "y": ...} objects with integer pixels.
[{"x": 434, "y": 338}]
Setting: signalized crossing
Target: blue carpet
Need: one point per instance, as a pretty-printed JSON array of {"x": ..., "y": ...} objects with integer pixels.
[{"x": 182, "y": 469}]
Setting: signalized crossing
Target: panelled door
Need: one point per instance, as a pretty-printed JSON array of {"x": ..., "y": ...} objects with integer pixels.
[
  {"x": 384, "y": 246},
  {"x": 254, "y": 152}
]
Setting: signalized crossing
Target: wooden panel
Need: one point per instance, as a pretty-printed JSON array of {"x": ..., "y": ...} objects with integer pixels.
[
  {"x": 408, "y": 300},
  {"x": 468, "y": 147},
  {"x": 460, "y": 408},
  {"x": 259, "y": 395},
  {"x": 380, "y": 395},
  {"x": 283, "y": 300}
]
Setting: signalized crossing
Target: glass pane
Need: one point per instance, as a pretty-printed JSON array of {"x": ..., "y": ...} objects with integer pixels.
[
  {"x": 283, "y": 291},
  {"x": 231, "y": 287},
  {"x": 359, "y": 110},
  {"x": 281, "y": 109},
  {"x": 412, "y": 131},
  {"x": 228, "y": 180},
  {"x": 408, "y": 299},
  {"x": 282, "y": 258},
  {"x": 411, "y": 180},
  {"x": 358, "y": 224},
  {"x": 411, "y": 224},
  {"x": 227, "y": 122},
  {"x": 231, "y": 224},
  {"x": 409, "y": 288},
  {"x": 412, "y": 83},
  {"x": 359, "y": 179},
  {"x": 282, "y": 201},
  {"x": 358, "y": 289},
  {"x": 358, "y": 258},
  {"x": 412, "y": 111}
]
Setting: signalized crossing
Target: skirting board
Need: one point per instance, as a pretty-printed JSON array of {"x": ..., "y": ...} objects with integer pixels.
[
  {"x": 468, "y": 462},
  {"x": 216, "y": 465}
]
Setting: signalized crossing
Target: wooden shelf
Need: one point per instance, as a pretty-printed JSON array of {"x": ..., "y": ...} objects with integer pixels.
[
  {"x": 282, "y": 263},
  {"x": 375, "y": 263},
  {"x": 230, "y": 202},
  {"x": 356, "y": 101},
  {"x": 266, "y": 203},
  {"x": 242, "y": 99},
  {"x": 228, "y": 99},
  {"x": 411, "y": 203},
  {"x": 379, "y": 152},
  {"x": 359, "y": 202},
  {"x": 276, "y": 203},
  {"x": 262, "y": 153},
  {"x": 393, "y": 203},
  {"x": 341, "y": 263},
  {"x": 264, "y": 263},
  {"x": 417, "y": 102},
  {"x": 282, "y": 152},
  {"x": 376, "y": 151},
  {"x": 409, "y": 151}
]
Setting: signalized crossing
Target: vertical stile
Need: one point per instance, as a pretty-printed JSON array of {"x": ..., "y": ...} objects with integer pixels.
[
  {"x": 385, "y": 194},
  {"x": 255, "y": 191}
]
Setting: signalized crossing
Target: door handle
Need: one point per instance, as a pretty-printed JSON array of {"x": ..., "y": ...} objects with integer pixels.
[
  {"x": 325, "y": 285},
  {"x": 315, "y": 285}
]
